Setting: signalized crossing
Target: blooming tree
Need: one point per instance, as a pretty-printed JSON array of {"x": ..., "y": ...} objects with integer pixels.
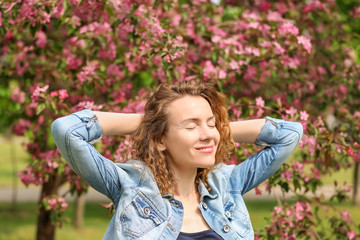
[{"x": 278, "y": 58}]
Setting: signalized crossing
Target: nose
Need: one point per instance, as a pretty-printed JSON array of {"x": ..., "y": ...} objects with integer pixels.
[{"x": 206, "y": 133}]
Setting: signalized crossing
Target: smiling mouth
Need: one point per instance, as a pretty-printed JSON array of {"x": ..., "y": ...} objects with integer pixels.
[{"x": 205, "y": 149}]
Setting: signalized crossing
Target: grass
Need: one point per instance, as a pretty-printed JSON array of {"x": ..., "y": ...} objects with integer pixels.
[{"x": 21, "y": 223}]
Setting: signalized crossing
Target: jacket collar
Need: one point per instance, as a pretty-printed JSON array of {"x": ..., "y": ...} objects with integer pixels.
[{"x": 204, "y": 192}]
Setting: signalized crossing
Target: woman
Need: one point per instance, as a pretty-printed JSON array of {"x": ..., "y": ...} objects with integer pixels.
[{"x": 178, "y": 188}]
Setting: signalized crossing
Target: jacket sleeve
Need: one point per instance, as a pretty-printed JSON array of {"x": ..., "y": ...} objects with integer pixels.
[
  {"x": 280, "y": 138},
  {"x": 73, "y": 135}
]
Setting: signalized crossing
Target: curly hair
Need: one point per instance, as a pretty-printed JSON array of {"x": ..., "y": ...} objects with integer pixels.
[{"x": 155, "y": 124}]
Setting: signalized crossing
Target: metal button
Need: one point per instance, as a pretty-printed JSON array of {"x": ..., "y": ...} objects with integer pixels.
[
  {"x": 228, "y": 213},
  {"x": 147, "y": 211},
  {"x": 226, "y": 228},
  {"x": 205, "y": 206}
]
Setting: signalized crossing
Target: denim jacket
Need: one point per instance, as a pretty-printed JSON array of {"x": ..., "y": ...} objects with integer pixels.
[{"x": 141, "y": 212}]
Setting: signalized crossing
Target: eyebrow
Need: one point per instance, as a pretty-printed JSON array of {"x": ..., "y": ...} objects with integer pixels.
[{"x": 196, "y": 119}]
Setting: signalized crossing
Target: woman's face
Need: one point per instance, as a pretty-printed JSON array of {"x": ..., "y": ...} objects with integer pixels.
[{"x": 191, "y": 139}]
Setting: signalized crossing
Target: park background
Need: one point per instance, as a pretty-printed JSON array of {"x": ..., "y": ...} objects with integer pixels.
[{"x": 296, "y": 60}]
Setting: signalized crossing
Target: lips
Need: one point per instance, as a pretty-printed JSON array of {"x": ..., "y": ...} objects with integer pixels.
[{"x": 205, "y": 149}]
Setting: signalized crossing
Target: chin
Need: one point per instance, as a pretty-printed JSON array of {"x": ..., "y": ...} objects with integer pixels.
[{"x": 207, "y": 164}]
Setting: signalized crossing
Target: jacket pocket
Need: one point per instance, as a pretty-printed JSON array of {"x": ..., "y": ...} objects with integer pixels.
[
  {"x": 239, "y": 218},
  {"x": 140, "y": 216}
]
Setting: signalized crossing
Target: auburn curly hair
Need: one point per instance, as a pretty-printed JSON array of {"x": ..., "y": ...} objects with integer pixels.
[{"x": 154, "y": 126}]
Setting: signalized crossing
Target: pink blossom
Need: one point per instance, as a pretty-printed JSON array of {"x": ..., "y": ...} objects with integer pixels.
[
  {"x": 266, "y": 44},
  {"x": 310, "y": 142},
  {"x": 278, "y": 209},
  {"x": 58, "y": 10},
  {"x": 41, "y": 39},
  {"x": 87, "y": 105},
  {"x": 21, "y": 127},
  {"x": 52, "y": 202},
  {"x": 86, "y": 74},
  {"x": 299, "y": 167},
  {"x": 291, "y": 111},
  {"x": 222, "y": 74},
  {"x": 292, "y": 63},
  {"x": 63, "y": 94},
  {"x": 313, "y": 5},
  {"x": 264, "y": 6},
  {"x": 234, "y": 65},
  {"x": 208, "y": 70},
  {"x": 190, "y": 29},
  {"x": 254, "y": 25},
  {"x": 316, "y": 173},
  {"x": 250, "y": 73},
  {"x": 356, "y": 157},
  {"x": 216, "y": 39},
  {"x": 175, "y": 20},
  {"x": 36, "y": 93},
  {"x": 113, "y": 72},
  {"x": 72, "y": 62},
  {"x": 251, "y": 15},
  {"x": 257, "y": 191},
  {"x": 342, "y": 89},
  {"x": 279, "y": 50},
  {"x": 355, "y": 12},
  {"x": 135, "y": 107},
  {"x": 54, "y": 93},
  {"x": 131, "y": 66},
  {"x": 275, "y": 17},
  {"x": 21, "y": 67},
  {"x": 96, "y": 28},
  {"x": 304, "y": 115},
  {"x": 305, "y": 42},
  {"x": 28, "y": 176},
  {"x": 109, "y": 52},
  {"x": 260, "y": 102},
  {"x": 310, "y": 86},
  {"x": 233, "y": 160},
  {"x": 288, "y": 28},
  {"x": 346, "y": 216},
  {"x": 18, "y": 96},
  {"x": 287, "y": 175},
  {"x": 351, "y": 234}
]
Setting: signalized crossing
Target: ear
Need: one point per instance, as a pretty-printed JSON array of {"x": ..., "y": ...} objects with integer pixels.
[{"x": 161, "y": 145}]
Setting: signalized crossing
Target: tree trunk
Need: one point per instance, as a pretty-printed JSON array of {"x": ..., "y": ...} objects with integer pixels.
[
  {"x": 355, "y": 183},
  {"x": 45, "y": 228},
  {"x": 79, "y": 211}
]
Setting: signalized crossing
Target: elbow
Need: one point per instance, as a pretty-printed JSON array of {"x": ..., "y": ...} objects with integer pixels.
[
  {"x": 297, "y": 133},
  {"x": 58, "y": 130},
  {"x": 299, "y": 130}
]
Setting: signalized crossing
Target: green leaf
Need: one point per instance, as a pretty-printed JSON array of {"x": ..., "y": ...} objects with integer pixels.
[
  {"x": 156, "y": 3},
  {"x": 40, "y": 108},
  {"x": 167, "y": 6},
  {"x": 165, "y": 64}
]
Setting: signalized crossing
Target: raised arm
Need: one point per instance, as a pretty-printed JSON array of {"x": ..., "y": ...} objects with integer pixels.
[
  {"x": 118, "y": 123},
  {"x": 246, "y": 131},
  {"x": 280, "y": 139},
  {"x": 74, "y": 135}
]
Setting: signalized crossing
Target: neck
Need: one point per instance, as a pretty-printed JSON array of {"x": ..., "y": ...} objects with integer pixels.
[{"x": 185, "y": 187}]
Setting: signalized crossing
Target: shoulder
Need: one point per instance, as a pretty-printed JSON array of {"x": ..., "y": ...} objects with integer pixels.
[{"x": 220, "y": 175}]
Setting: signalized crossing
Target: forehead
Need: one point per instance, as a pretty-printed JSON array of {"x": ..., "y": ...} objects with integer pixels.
[{"x": 189, "y": 107}]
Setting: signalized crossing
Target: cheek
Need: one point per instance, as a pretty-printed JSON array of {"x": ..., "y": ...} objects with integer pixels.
[{"x": 217, "y": 136}]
